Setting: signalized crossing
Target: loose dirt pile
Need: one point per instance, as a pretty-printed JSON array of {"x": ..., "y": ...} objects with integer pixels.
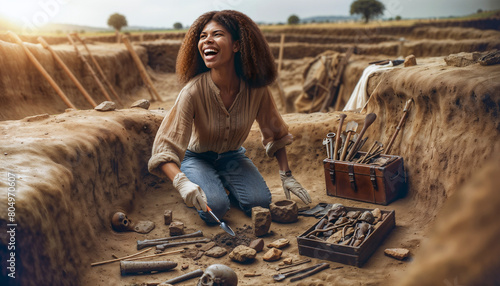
[{"x": 75, "y": 169}]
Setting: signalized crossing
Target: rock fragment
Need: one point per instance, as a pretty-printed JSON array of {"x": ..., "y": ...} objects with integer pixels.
[
  {"x": 242, "y": 253},
  {"x": 257, "y": 244},
  {"x": 144, "y": 226},
  {"x": 141, "y": 103},
  {"x": 216, "y": 252},
  {"x": 106, "y": 106},
  {"x": 284, "y": 211},
  {"x": 398, "y": 253},
  {"x": 280, "y": 243},
  {"x": 462, "y": 59},
  {"x": 167, "y": 215},
  {"x": 410, "y": 60},
  {"x": 272, "y": 254},
  {"x": 176, "y": 228},
  {"x": 36, "y": 117},
  {"x": 261, "y": 220},
  {"x": 207, "y": 246}
]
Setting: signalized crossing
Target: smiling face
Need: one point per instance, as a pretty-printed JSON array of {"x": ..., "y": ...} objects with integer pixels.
[{"x": 217, "y": 47}]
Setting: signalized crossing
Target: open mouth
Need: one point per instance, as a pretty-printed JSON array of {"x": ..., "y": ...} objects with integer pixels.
[{"x": 210, "y": 53}]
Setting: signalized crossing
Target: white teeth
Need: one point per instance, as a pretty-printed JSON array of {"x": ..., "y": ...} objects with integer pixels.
[{"x": 210, "y": 51}]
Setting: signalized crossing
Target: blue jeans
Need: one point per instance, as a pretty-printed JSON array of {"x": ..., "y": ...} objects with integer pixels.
[{"x": 233, "y": 171}]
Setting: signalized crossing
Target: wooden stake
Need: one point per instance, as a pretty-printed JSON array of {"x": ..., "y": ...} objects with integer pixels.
[
  {"x": 89, "y": 67},
  {"x": 68, "y": 72},
  {"x": 142, "y": 70},
  {"x": 156, "y": 255},
  {"x": 40, "y": 68},
  {"x": 280, "y": 60},
  {"x": 123, "y": 258},
  {"x": 98, "y": 67}
]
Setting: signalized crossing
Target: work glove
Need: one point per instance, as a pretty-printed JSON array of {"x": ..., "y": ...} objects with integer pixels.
[
  {"x": 190, "y": 192},
  {"x": 291, "y": 185}
]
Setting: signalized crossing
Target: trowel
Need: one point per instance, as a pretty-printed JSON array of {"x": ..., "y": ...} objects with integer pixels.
[{"x": 222, "y": 224}]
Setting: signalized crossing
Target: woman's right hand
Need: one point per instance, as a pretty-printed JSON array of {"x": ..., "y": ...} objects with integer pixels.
[{"x": 190, "y": 192}]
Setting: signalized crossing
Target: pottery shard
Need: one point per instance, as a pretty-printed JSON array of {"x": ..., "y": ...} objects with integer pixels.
[
  {"x": 410, "y": 60},
  {"x": 257, "y": 244},
  {"x": 141, "y": 103},
  {"x": 144, "y": 226},
  {"x": 207, "y": 246},
  {"x": 280, "y": 243},
  {"x": 242, "y": 253},
  {"x": 261, "y": 220},
  {"x": 216, "y": 252},
  {"x": 284, "y": 211},
  {"x": 272, "y": 254},
  {"x": 176, "y": 228},
  {"x": 398, "y": 253},
  {"x": 106, "y": 106},
  {"x": 167, "y": 215}
]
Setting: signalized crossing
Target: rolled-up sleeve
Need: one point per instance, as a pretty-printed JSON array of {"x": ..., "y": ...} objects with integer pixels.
[
  {"x": 273, "y": 128},
  {"x": 173, "y": 136}
]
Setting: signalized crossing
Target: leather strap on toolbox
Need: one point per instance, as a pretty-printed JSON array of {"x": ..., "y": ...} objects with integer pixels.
[
  {"x": 373, "y": 178},
  {"x": 351, "y": 177},
  {"x": 332, "y": 173}
]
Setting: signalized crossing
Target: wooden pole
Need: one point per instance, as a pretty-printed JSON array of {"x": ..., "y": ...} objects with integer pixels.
[
  {"x": 89, "y": 67},
  {"x": 280, "y": 60},
  {"x": 142, "y": 70},
  {"x": 122, "y": 258},
  {"x": 68, "y": 72},
  {"x": 98, "y": 67},
  {"x": 42, "y": 70}
]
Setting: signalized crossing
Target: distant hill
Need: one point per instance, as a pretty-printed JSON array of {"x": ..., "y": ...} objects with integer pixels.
[
  {"x": 69, "y": 28},
  {"x": 329, "y": 19}
]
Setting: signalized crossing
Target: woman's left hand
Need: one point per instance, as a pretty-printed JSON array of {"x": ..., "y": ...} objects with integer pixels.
[{"x": 290, "y": 184}]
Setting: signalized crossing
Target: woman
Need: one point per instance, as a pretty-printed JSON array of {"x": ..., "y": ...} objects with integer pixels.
[{"x": 226, "y": 65}]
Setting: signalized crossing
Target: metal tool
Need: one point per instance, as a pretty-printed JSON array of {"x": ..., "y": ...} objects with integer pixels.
[
  {"x": 153, "y": 242},
  {"x": 368, "y": 122},
  {"x": 351, "y": 127},
  {"x": 342, "y": 116},
  {"x": 330, "y": 136},
  {"x": 283, "y": 276},
  {"x": 222, "y": 224},
  {"x": 166, "y": 244},
  {"x": 326, "y": 143},
  {"x": 313, "y": 271}
]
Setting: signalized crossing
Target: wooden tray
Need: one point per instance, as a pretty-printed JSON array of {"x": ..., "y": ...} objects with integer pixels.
[{"x": 350, "y": 255}]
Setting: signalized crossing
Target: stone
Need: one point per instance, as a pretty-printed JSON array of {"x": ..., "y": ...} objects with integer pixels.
[
  {"x": 167, "y": 215},
  {"x": 462, "y": 59},
  {"x": 176, "y": 228},
  {"x": 377, "y": 214},
  {"x": 216, "y": 252},
  {"x": 280, "y": 243},
  {"x": 242, "y": 253},
  {"x": 257, "y": 244},
  {"x": 284, "y": 211},
  {"x": 144, "y": 226},
  {"x": 398, "y": 253},
  {"x": 490, "y": 58},
  {"x": 410, "y": 60},
  {"x": 272, "y": 254},
  {"x": 141, "y": 103},
  {"x": 261, "y": 220},
  {"x": 207, "y": 246},
  {"x": 335, "y": 238},
  {"x": 106, "y": 106},
  {"x": 184, "y": 266},
  {"x": 287, "y": 261}
]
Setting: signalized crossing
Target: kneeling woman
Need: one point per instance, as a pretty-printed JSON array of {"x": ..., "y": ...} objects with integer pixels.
[{"x": 226, "y": 66}]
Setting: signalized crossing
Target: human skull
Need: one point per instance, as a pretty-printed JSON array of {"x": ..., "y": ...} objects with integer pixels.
[
  {"x": 218, "y": 275},
  {"x": 121, "y": 222}
]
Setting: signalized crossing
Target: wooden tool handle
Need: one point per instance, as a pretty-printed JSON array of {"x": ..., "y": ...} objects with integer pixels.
[
  {"x": 346, "y": 144},
  {"x": 337, "y": 140},
  {"x": 369, "y": 119}
]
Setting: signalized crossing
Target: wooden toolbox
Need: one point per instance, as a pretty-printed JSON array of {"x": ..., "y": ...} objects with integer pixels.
[
  {"x": 349, "y": 255},
  {"x": 366, "y": 182}
]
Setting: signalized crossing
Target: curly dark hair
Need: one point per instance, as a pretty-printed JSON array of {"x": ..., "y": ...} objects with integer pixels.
[{"x": 254, "y": 63}]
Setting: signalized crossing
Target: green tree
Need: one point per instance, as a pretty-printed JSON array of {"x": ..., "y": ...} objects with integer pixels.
[
  {"x": 367, "y": 8},
  {"x": 177, "y": 25},
  {"x": 293, "y": 19},
  {"x": 117, "y": 21},
  {"x": 398, "y": 18}
]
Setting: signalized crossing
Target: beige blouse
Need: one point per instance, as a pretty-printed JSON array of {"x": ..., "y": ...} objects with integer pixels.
[{"x": 200, "y": 122}]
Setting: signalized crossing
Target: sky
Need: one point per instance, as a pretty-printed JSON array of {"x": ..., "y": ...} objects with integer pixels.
[{"x": 164, "y": 13}]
